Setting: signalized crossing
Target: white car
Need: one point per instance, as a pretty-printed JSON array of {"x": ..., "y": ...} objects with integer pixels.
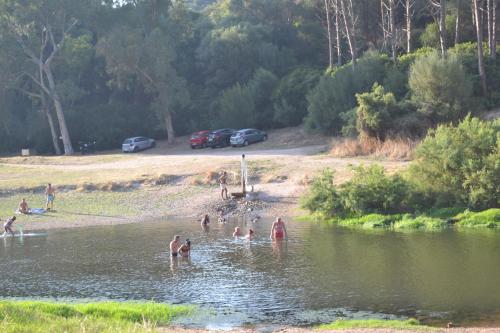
[{"x": 132, "y": 145}]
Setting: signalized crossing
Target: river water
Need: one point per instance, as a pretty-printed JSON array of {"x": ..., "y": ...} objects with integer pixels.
[{"x": 321, "y": 273}]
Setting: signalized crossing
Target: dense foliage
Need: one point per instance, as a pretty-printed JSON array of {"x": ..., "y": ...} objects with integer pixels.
[
  {"x": 455, "y": 166},
  {"x": 104, "y": 70}
]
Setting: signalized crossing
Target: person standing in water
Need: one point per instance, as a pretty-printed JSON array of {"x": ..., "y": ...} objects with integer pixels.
[
  {"x": 249, "y": 236},
  {"x": 185, "y": 249},
  {"x": 278, "y": 230},
  {"x": 237, "y": 232},
  {"x": 50, "y": 192},
  {"x": 174, "y": 246},
  {"x": 7, "y": 226},
  {"x": 205, "y": 221},
  {"x": 223, "y": 185}
]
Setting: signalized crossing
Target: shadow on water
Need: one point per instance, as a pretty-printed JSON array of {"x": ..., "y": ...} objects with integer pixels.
[{"x": 321, "y": 273}]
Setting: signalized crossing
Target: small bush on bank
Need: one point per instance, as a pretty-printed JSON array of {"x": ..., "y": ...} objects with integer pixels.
[
  {"x": 343, "y": 324},
  {"x": 489, "y": 218}
]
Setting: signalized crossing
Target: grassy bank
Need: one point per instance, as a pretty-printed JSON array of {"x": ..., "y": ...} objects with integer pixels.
[
  {"x": 34, "y": 317},
  {"x": 431, "y": 220},
  {"x": 410, "y": 324}
]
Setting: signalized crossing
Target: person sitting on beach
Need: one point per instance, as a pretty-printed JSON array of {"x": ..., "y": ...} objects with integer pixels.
[
  {"x": 7, "y": 226},
  {"x": 237, "y": 232},
  {"x": 185, "y": 249},
  {"x": 174, "y": 246},
  {"x": 23, "y": 207},
  {"x": 205, "y": 220},
  {"x": 249, "y": 236},
  {"x": 50, "y": 192},
  {"x": 278, "y": 230}
]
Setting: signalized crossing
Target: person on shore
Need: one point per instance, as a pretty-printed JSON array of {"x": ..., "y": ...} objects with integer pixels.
[
  {"x": 185, "y": 249},
  {"x": 249, "y": 236},
  {"x": 50, "y": 193},
  {"x": 174, "y": 246},
  {"x": 7, "y": 226},
  {"x": 23, "y": 207},
  {"x": 237, "y": 232},
  {"x": 205, "y": 221},
  {"x": 223, "y": 185},
  {"x": 278, "y": 230}
]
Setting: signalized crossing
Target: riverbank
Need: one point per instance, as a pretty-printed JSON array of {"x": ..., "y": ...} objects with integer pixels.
[{"x": 167, "y": 182}]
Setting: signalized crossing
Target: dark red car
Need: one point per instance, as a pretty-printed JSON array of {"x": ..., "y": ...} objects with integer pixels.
[{"x": 199, "y": 139}]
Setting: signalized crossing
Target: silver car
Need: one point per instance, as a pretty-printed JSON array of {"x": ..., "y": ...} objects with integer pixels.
[
  {"x": 244, "y": 137},
  {"x": 132, "y": 145}
]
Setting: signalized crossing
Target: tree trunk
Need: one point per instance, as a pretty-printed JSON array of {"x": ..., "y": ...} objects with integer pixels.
[
  {"x": 53, "y": 131},
  {"x": 68, "y": 147},
  {"x": 480, "y": 55},
  {"x": 489, "y": 17},
  {"x": 337, "y": 34},
  {"x": 348, "y": 20},
  {"x": 442, "y": 26},
  {"x": 457, "y": 26},
  {"x": 408, "y": 15},
  {"x": 392, "y": 30},
  {"x": 169, "y": 127},
  {"x": 493, "y": 50},
  {"x": 329, "y": 31}
]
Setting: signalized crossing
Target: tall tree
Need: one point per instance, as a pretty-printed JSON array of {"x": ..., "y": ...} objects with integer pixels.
[
  {"x": 479, "y": 35},
  {"x": 329, "y": 33},
  {"x": 438, "y": 7},
  {"x": 41, "y": 29},
  {"x": 409, "y": 12},
  {"x": 350, "y": 20}
]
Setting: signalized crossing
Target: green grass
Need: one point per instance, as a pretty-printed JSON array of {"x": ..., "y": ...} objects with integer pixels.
[
  {"x": 410, "y": 324},
  {"x": 370, "y": 221},
  {"x": 489, "y": 218},
  {"x": 420, "y": 222},
  {"x": 38, "y": 317}
]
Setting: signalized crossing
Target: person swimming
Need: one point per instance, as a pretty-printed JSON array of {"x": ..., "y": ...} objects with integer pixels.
[
  {"x": 7, "y": 226},
  {"x": 237, "y": 232},
  {"x": 185, "y": 249},
  {"x": 278, "y": 230},
  {"x": 249, "y": 236}
]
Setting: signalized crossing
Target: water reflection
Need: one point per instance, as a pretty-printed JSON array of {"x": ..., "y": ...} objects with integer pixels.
[{"x": 318, "y": 273}]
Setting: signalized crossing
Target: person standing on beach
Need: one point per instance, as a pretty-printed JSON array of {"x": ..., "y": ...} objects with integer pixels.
[
  {"x": 174, "y": 246},
  {"x": 278, "y": 230},
  {"x": 50, "y": 193},
  {"x": 223, "y": 185}
]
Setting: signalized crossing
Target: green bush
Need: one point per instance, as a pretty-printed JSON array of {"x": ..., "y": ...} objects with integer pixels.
[
  {"x": 489, "y": 218},
  {"x": 374, "y": 112},
  {"x": 460, "y": 165},
  {"x": 440, "y": 87},
  {"x": 322, "y": 197},
  {"x": 335, "y": 92},
  {"x": 236, "y": 107}
]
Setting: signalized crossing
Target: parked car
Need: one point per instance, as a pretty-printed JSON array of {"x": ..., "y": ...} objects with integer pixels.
[
  {"x": 135, "y": 144},
  {"x": 199, "y": 139},
  {"x": 87, "y": 147},
  {"x": 220, "y": 138},
  {"x": 247, "y": 136}
]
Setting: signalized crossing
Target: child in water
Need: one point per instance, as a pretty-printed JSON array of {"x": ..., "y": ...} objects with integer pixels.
[
  {"x": 237, "y": 232},
  {"x": 7, "y": 226},
  {"x": 249, "y": 236}
]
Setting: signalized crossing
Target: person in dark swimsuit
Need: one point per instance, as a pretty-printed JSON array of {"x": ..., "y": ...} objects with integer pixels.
[
  {"x": 278, "y": 230},
  {"x": 174, "y": 246},
  {"x": 8, "y": 226},
  {"x": 205, "y": 221}
]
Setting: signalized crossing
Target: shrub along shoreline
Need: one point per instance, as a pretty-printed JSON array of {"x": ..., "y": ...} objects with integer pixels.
[
  {"x": 133, "y": 317},
  {"x": 454, "y": 180}
]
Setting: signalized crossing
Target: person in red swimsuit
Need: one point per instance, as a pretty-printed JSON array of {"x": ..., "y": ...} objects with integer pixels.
[{"x": 278, "y": 230}]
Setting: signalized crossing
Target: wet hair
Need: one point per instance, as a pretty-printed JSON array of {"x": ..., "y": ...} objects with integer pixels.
[
  {"x": 13, "y": 217},
  {"x": 177, "y": 237},
  {"x": 250, "y": 231},
  {"x": 188, "y": 242}
]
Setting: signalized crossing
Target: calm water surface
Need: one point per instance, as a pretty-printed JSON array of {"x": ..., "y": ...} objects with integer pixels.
[{"x": 319, "y": 274}]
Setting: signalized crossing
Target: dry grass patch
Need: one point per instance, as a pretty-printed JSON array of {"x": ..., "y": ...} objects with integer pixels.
[{"x": 399, "y": 149}]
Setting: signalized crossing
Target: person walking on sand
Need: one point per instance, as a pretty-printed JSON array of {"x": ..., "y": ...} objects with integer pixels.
[
  {"x": 174, "y": 246},
  {"x": 23, "y": 207},
  {"x": 50, "y": 192},
  {"x": 7, "y": 226},
  {"x": 223, "y": 185},
  {"x": 278, "y": 230}
]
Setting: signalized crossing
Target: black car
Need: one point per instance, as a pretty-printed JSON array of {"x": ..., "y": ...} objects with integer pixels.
[{"x": 220, "y": 137}]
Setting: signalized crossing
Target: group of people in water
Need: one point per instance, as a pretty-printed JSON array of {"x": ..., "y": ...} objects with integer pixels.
[
  {"x": 278, "y": 232},
  {"x": 23, "y": 208}
]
